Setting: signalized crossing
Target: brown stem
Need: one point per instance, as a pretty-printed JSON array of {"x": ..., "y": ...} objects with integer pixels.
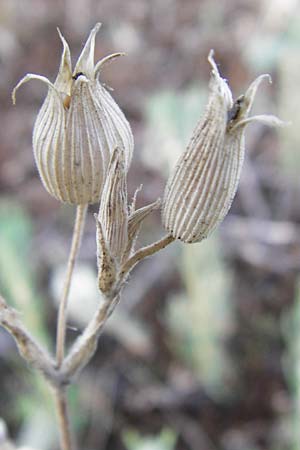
[
  {"x": 66, "y": 440},
  {"x": 28, "y": 348},
  {"x": 61, "y": 320},
  {"x": 86, "y": 344},
  {"x": 144, "y": 252}
]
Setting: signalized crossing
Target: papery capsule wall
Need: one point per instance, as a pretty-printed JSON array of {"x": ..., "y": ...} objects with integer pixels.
[
  {"x": 201, "y": 188},
  {"x": 73, "y": 147},
  {"x": 113, "y": 211},
  {"x": 49, "y": 144},
  {"x": 201, "y": 177},
  {"x": 78, "y": 127}
]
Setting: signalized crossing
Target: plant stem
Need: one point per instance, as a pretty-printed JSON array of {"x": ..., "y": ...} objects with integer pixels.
[
  {"x": 85, "y": 346},
  {"x": 61, "y": 319},
  {"x": 144, "y": 252},
  {"x": 66, "y": 442}
]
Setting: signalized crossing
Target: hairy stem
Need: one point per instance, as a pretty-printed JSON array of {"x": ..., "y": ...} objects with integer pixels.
[
  {"x": 86, "y": 344},
  {"x": 146, "y": 251},
  {"x": 28, "y": 348},
  {"x": 66, "y": 440},
  {"x": 61, "y": 320}
]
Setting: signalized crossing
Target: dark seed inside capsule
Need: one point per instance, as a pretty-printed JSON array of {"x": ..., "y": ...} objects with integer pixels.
[
  {"x": 77, "y": 75},
  {"x": 233, "y": 113}
]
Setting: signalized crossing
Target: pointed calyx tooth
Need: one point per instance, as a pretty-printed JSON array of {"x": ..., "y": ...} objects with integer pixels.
[
  {"x": 78, "y": 127},
  {"x": 113, "y": 211},
  {"x": 202, "y": 186},
  {"x": 104, "y": 61},
  {"x": 85, "y": 63},
  {"x": 63, "y": 82},
  {"x": 135, "y": 222},
  {"x": 132, "y": 206},
  {"x": 106, "y": 264},
  {"x": 137, "y": 217}
]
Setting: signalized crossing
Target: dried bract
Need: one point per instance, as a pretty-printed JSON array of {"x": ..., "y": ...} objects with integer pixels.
[
  {"x": 201, "y": 188},
  {"x": 117, "y": 225},
  {"x": 77, "y": 128},
  {"x": 113, "y": 211},
  {"x": 107, "y": 268}
]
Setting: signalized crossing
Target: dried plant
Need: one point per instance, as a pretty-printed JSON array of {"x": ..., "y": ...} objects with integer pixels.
[
  {"x": 204, "y": 182},
  {"x": 83, "y": 146}
]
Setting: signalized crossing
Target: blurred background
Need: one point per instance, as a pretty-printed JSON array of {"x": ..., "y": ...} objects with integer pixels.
[{"x": 203, "y": 352}]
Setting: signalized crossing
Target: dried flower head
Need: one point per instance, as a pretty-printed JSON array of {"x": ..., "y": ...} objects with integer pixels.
[
  {"x": 78, "y": 127},
  {"x": 201, "y": 188}
]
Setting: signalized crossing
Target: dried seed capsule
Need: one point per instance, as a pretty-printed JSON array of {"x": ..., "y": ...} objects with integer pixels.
[
  {"x": 77, "y": 128},
  {"x": 201, "y": 188},
  {"x": 113, "y": 211}
]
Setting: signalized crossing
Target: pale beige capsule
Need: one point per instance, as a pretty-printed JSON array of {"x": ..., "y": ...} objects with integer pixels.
[
  {"x": 201, "y": 188},
  {"x": 77, "y": 128}
]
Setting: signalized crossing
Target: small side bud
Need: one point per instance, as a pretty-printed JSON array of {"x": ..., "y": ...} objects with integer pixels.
[
  {"x": 113, "y": 211},
  {"x": 112, "y": 223}
]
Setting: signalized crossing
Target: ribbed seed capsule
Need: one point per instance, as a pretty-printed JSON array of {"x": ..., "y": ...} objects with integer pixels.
[
  {"x": 113, "y": 211},
  {"x": 201, "y": 188},
  {"x": 78, "y": 127}
]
